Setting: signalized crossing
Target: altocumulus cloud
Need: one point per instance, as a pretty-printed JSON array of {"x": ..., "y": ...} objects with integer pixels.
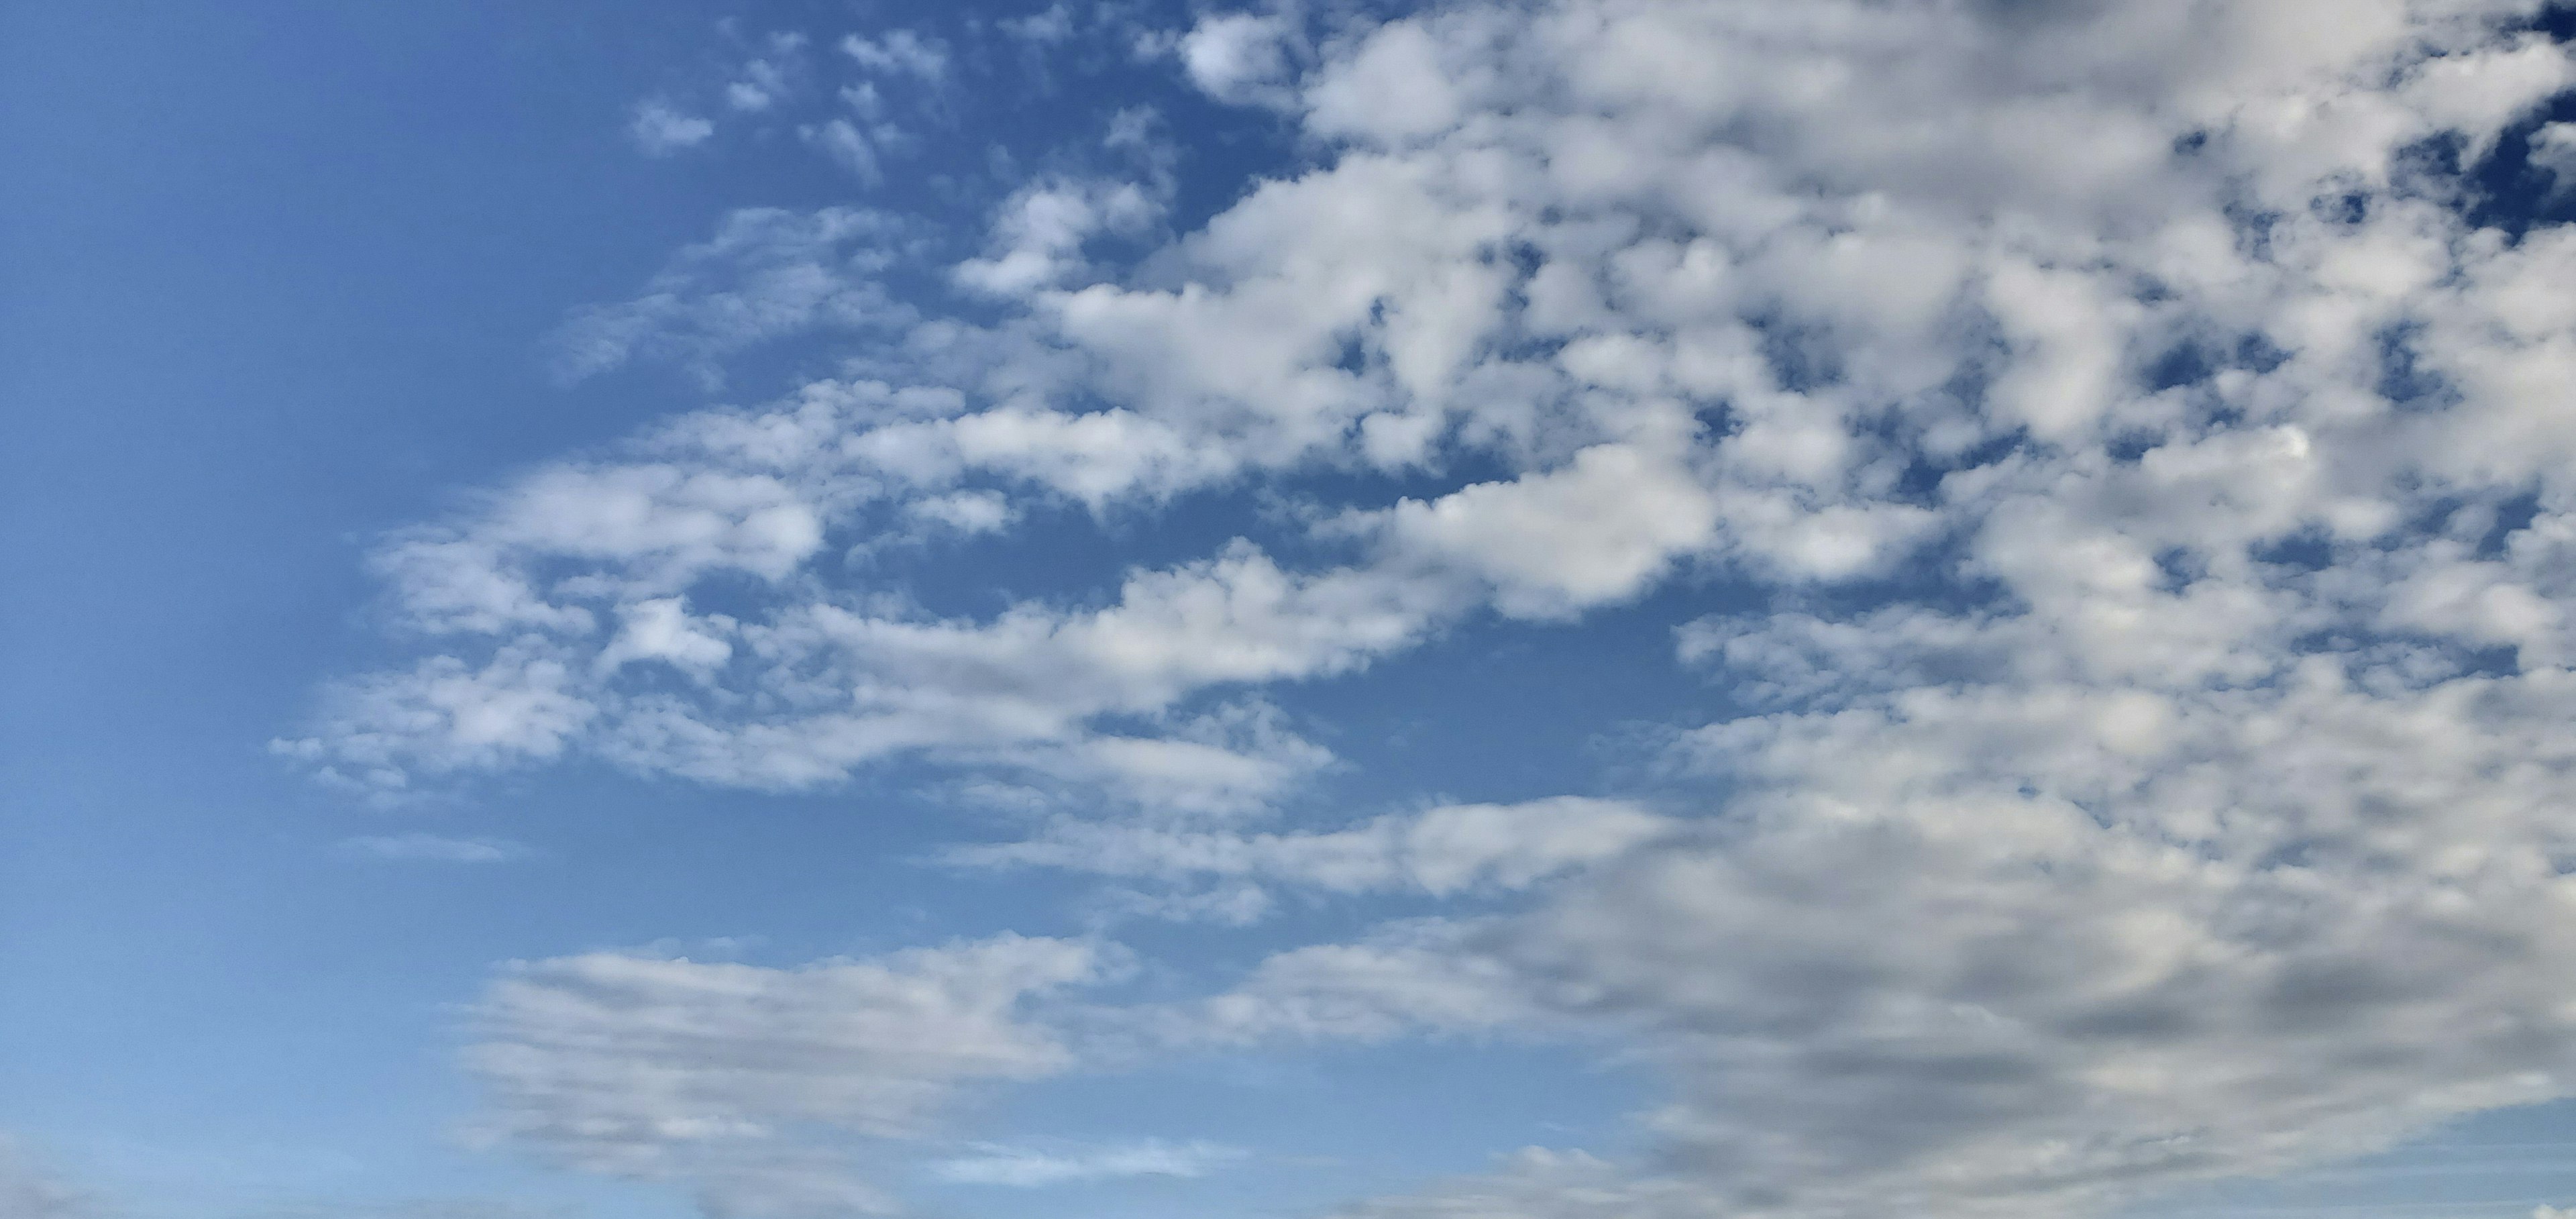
[{"x": 2148, "y": 764}]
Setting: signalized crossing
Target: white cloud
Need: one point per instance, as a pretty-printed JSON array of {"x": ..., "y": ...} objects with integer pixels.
[
  {"x": 1440, "y": 851},
  {"x": 443, "y": 715},
  {"x": 1038, "y": 238},
  {"x": 718, "y": 1074},
  {"x": 901, "y": 52},
  {"x": 1600, "y": 529},
  {"x": 1239, "y": 57},
  {"x": 1027, "y": 1168},
  {"x": 765, "y": 82},
  {"x": 659, "y": 130},
  {"x": 2553, "y": 149},
  {"x": 965, "y": 511},
  {"x": 2148, "y": 763},
  {"x": 436, "y": 848},
  {"x": 661, "y": 629}
]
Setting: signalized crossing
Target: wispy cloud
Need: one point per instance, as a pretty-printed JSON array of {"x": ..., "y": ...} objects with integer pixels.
[
  {"x": 435, "y": 848},
  {"x": 1028, "y": 1168},
  {"x": 659, "y": 130}
]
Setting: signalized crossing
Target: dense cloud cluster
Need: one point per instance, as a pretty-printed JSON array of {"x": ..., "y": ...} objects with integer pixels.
[{"x": 2152, "y": 458}]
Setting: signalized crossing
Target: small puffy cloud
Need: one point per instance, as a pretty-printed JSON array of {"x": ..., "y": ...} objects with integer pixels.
[
  {"x": 2553, "y": 150},
  {"x": 765, "y": 82},
  {"x": 1239, "y": 57},
  {"x": 659, "y": 130},
  {"x": 661, "y": 629},
  {"x": 444, "y": 715},
  {"x": 848, "y": 146},
  {"x": 435, "y": 848},
  {"x": 965, "y": 511},
  {"x": 1031, "y": 1168},
  {"x": 1394, "y": 87},
  {"x": 1038, "y": 237}
]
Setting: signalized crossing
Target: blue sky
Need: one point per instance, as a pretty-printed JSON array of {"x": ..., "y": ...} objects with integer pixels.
[{"x": 1536, "y": 611}]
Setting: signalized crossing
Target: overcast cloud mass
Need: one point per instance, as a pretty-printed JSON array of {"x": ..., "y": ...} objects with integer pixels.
[{"x": 2095, "y": 481}]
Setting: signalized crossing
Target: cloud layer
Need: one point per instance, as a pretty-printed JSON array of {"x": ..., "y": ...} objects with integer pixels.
[{"x": 2148, "y": 764}]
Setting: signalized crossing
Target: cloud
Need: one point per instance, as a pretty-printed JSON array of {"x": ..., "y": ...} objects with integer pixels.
[
  {"x": 428, "y": 1208},
  {"x": 659, "y": 130},
  {"x": 2553, "y": 149},
  {"x": 900, "y": 52},
  {"x": 766, "y": 274},
  {"x": 721, "y": 1074},
  {"x": 1038, "y": 238},
  {"x": 1240, "y": 57},
  {"x": 1442, "y": 851},
  {"x": 1026, "y": 1168},
  {"x": 2147, "y": 762},
  {"x": 848, "y": 146},
  {"x": 28, "y": 1190},
  {"x": 436, "y": 848}
]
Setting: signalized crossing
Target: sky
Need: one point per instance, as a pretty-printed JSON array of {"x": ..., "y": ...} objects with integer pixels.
[{"x": 1504, "y": 609}]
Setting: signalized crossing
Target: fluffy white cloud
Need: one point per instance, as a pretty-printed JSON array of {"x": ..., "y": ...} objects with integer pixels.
[
  {"x": 723, "y": 1074},
  {"x": 1239, "y": 57},
  {"x": 1039, "y": 235},
  {"x": 2553, "y": 149}
]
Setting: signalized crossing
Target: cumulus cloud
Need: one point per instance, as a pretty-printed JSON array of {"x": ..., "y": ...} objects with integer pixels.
[
  {"x": 1240, "y": 57},
  {"x": 659, "y": 130},
  {"x": 2553, "y": 149},
  {"x": 1038, "y": 239},
  {"x": 2145, "y": 761}
]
